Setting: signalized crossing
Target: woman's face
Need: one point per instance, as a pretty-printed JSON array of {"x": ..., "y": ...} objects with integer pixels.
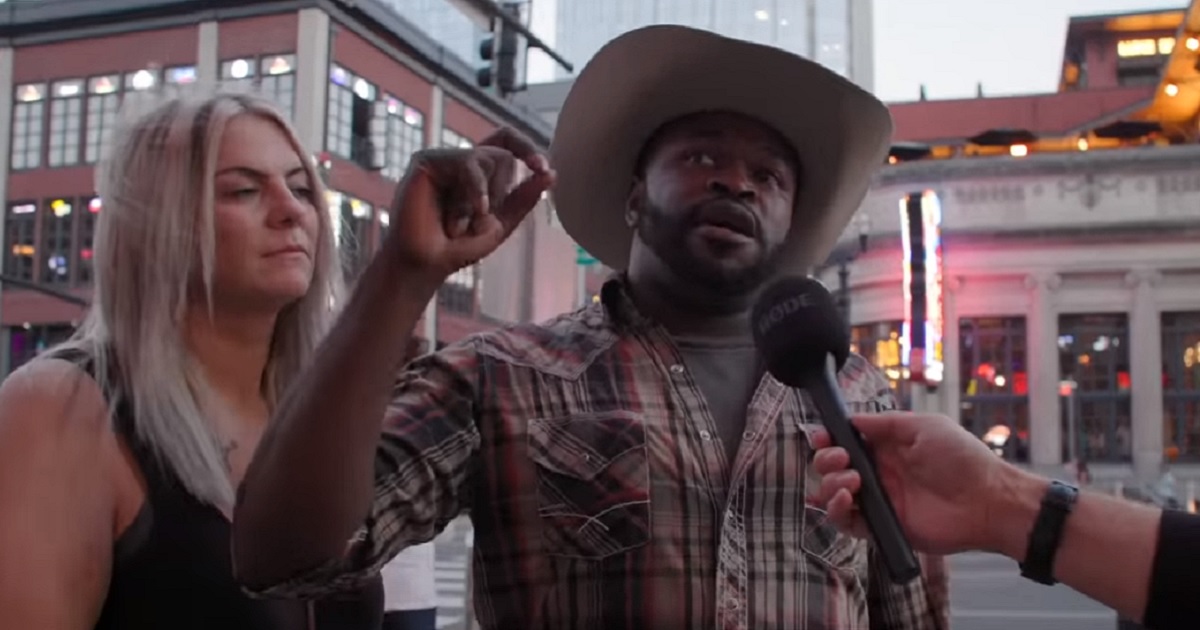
[{"x": 266, "y": 218}]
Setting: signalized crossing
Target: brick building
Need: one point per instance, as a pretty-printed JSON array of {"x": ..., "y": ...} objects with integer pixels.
[
  {"x": 1060, "y": 254},
  {"x": 364, "y": 88}
]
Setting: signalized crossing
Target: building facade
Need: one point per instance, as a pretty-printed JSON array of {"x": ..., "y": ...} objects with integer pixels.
[
  {"x": 1056, "y": 269},
  {"x": 363, "y": 87},
  {"x": 1060, "y": 257},
  {"x": 836, "y": 33}
]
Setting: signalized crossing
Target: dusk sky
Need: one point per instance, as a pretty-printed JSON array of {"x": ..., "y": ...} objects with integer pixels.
[{"x": 1014, "y": 46}]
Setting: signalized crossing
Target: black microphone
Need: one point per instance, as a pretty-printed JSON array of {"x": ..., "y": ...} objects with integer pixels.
[{"x": 804, "y": 340}]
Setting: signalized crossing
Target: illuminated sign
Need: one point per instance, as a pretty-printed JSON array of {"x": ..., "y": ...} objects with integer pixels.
[
  {"x": 1145, "y": 47},
  {"x": 923, "y": 328}
]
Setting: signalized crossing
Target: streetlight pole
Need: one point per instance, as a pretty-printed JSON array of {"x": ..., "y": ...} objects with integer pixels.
[{"x": 863, "y": 222}]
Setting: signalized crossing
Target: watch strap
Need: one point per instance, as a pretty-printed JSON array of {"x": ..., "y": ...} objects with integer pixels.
[{"x": 1046, "y": 535}]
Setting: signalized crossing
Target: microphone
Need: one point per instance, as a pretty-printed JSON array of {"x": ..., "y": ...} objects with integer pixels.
[{"x": 804, "y": 341}]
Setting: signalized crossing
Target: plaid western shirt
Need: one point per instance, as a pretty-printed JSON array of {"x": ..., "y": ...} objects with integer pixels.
[{"x": 602, "y": 497}]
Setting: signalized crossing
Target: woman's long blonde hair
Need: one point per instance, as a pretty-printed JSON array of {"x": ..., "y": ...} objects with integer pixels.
[{"x": 154, "y": 239}]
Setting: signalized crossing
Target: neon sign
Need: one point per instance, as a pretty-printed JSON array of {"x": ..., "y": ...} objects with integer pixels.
[{"x": 923, "y": 328}]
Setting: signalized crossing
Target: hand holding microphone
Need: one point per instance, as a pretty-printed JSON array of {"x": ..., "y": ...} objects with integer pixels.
[{"x": 798, "y": 330}]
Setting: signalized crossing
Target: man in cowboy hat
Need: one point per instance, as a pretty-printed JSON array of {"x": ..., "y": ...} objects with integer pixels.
[{"x": 628, "y": 465}]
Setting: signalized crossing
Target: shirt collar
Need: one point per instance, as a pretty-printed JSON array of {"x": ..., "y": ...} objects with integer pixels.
[{"x": 618, "y": 304}]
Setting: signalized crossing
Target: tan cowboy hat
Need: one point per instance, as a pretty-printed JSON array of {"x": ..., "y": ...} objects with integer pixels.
[{"x": 650, "y": 76}]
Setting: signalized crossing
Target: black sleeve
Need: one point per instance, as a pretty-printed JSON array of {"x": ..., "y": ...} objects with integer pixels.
[
  {"x": 361, "y": 609},
  {"x": 1174, "y": 599}
]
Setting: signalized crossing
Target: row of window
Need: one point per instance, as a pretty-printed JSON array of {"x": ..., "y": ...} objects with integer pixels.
[
  {"x": 1093, "y": 368},
  {"x": 69, "y": 122},
  {"x": 51, "y": 243},
  {"x": 378, "y": 132}
]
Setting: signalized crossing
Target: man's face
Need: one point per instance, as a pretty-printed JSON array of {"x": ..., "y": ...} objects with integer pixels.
[{"x": 714, "y": 199}]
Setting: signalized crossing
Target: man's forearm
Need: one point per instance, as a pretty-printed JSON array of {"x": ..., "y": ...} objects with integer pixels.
[
  {"x": 1108, "y": 544},
  {"x": 311, "y": 481}
]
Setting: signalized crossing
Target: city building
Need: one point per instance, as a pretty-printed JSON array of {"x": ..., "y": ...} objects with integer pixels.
[
  {"x": 1030, "y": 265},
  {"x": 364, "y": 87},
  {"x": 836, "y": 33}
]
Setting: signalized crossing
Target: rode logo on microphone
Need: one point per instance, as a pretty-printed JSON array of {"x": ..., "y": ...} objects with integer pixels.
[{"x": 782, "y": 310}]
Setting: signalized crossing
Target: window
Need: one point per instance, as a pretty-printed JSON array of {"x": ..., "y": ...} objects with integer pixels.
[
  {"x": 181, "y": 75},
  {"x": 28, "y": 126},
  {"x": 87, "y": 236},
  {"x": 19, "y": 247},
  {"x": 457, "y": 294},
  {"x": 453, "y": 140},
  {"x": 995, "y": 385},
  {"x": 238, "y": 74},
  {"x": 104, "y": 100},
  {"x": 1093, "y": 354},
  {"x": 1181, "y": 385},
  {"x": 404, "y": 135},
  {"x": 57, "y": 243},
  {"x": 66, "y": 122},
  {"x": 273, "y": 76},
  {"x": 139, "y": 87},
  {"x": 26, "y": 342},
  {"x": 351, "y": 110},
  {"x": 351, "y": 220},
  {"x": 279, "y": 81},
  {"x": 879, "y": 344}
]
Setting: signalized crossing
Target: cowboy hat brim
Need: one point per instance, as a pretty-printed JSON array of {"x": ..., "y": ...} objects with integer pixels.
[{"x": 650, "y": 76}]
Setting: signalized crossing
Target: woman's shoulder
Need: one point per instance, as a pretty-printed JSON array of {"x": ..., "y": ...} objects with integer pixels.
[{"x": 52, "y": 397}]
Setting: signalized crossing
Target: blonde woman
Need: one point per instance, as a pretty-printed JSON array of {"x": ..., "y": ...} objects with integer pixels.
[{"x": 120, "y": 451}]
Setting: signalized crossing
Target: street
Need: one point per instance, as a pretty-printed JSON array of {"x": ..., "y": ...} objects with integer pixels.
[
  {"x": 986, "y": 593},
  {"x": 450, "y": 571}
]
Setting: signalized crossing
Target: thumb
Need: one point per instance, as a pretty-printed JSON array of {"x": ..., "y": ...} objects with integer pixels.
[{"x": 486, "y": 233}]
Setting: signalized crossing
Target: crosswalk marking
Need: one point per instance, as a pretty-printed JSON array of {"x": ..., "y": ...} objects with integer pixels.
[{"x": 450, "y": 575}]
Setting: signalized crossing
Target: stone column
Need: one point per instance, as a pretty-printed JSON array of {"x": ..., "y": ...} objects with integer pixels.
[
  {"x": 312, "y": 78},
  {"x": 1145, "y": 368},
  {"x": 1041, "y": 325},
  {"x": 208, "y": 67}
]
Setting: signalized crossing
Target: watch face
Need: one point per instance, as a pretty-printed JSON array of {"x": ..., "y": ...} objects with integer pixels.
[{"x": 1061, "y": 494}]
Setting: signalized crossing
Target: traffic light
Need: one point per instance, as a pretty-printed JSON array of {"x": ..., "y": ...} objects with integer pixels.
[{"x": 500, "y": 51}]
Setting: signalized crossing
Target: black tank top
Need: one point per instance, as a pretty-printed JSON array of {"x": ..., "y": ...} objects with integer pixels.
[{"x": 172, "y": 569}]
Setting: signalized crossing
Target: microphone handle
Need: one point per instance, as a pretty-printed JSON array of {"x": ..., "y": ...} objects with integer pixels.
[{"x": 898, "y": 556}]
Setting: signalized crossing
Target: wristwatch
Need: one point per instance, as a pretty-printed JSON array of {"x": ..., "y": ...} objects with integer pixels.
[{"x": 1047, "y": 532}]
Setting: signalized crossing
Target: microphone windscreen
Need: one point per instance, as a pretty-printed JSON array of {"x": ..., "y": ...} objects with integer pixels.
[{"x": 797, "y": 325}]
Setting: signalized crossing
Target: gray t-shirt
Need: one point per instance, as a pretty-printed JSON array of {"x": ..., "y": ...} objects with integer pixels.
[{"x": 727, "y": 371}]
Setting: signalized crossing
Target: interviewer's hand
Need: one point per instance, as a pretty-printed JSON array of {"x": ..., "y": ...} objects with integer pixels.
[
  {"x": 940, "y": 478},
  {"x": 456, "y": 206}
]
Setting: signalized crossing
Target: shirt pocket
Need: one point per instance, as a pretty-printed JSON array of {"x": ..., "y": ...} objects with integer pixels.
[
  {"x": 593, "y": 483},
  {"x": 824, "y": 544}
]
